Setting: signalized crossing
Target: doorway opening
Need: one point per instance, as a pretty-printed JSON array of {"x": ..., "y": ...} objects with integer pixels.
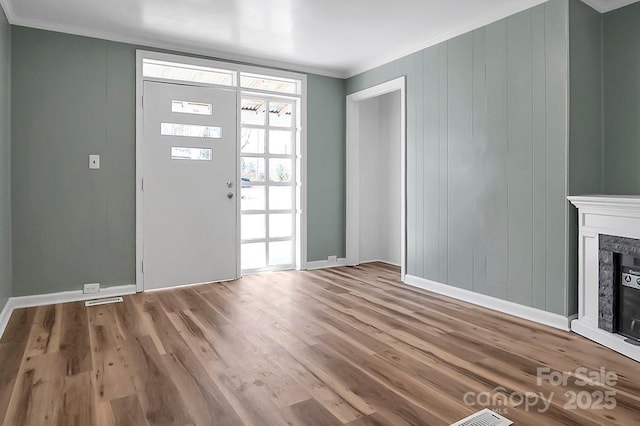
[{"x": 376, "y": 177}]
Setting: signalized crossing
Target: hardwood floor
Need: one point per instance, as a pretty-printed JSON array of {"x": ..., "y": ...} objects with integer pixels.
[{"x": 341, "y": 346}]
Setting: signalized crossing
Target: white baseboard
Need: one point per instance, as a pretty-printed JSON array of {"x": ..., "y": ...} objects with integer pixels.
[
  {"x": 69, "y": 296},
  {"x": 533, "y": 314},
  {"x": 613, "y": 341},
  {"x": 60, "y": 297},
  {"x": 323, "y": 264},
  {"x": 379, "y": 261}
]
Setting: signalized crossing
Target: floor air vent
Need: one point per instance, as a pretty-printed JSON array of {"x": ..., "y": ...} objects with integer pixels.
[
  {"x": 104, "y": 301},
  {"x": 485, "y": 417}
]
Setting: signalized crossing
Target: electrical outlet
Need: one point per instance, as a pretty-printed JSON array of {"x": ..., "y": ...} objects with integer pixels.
[
  {"x": 332, "y": 259},
  {"x": 91, "y": 288},
  {"x": 94, "y": 161}
]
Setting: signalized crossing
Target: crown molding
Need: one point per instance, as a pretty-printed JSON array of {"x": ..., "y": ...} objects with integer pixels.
[
  {"x": 8, "y": 10},
  {"x": 604, "y": 6},
  {"x": 167, "y": 45}
]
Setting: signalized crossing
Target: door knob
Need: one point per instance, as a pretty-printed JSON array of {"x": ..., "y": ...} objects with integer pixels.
[{"x": 229, "y": 195}]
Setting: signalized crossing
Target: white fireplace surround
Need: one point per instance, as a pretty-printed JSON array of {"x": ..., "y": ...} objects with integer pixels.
[{"x": 615, "y": 215}]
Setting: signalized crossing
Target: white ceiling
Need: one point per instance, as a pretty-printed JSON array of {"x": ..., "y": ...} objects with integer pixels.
[{"x": 338, "y": 38}]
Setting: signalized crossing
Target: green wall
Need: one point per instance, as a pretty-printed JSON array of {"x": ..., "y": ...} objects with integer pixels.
[
  {"x": 326, "y": 168},
  {"x": 586, "y": 113},
  {"x": 5, "y": 160},
  {"x": 75, "y": 96},
  {"x": 586, "y": 116},
  {"x": 72, "y": 96},
  {"x": 622, "y": 100},
  {"x": 487, "y": 140}
]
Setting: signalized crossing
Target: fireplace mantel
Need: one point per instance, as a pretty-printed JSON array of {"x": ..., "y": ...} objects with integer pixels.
[{"x": 615, "y": 215}]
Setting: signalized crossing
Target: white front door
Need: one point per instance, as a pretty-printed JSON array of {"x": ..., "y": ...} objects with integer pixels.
[{"x": 189, "y": 192}]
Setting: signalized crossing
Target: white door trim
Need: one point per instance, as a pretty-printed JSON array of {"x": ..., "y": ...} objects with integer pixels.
[
  {"x": 353, "y": 168},
  {"x": 301, "y": 239}
]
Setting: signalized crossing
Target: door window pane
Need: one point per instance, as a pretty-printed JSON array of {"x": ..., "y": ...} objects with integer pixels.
[
  {"x": 188, "y": 107},
  {"x": 253, "y": 111},
  {"x": 252, "y": 169},
  {"x": 190, "y": 130},
  {"x": 280, "y": 253},
  {"x": 253, "y": 226},
  {"x": 252, "y": 198},
  {"x": 252, "y": 141},
  {"x": 253, "y": 255},
  {"x": 184, "y": 153},
  {"x": 280, "y": 198},
  {"x": 280, "y": 142},
  {"x": 280, "y": 170},
  {"x": 280, "y": 225},
  {"x": 280, "y": 114}
]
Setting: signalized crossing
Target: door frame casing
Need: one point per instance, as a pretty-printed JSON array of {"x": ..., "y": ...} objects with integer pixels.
[
  {"x": 353, "y": 169},
  {"x": 141, "y": 55}
]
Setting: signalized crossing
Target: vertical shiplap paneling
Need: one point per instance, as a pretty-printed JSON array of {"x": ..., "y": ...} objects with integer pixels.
[
  {"x": 520, "y": 150},
  {"x": 431, "y": 161},
  {"x": 97, "y": 111},
  {"x": 539, "y": 158},
  {"x": 120, "y": 157},
  {"x": 408, "y": 67},
  {"x": 461, "y": 160},
  {"x": 75, "y": 133},
  {"x": 586, "y": 119},
  {"x": 419, "y": 162},
  {"x": 25, "y": 170},
  {"x": 326, "y": 167},
  {"x": 443, "y": 163},
  {"x": 5, "y": 161},
  {"x": 492, "y": 179},
  {"x": 556, "y": 27},
  {"x": 49, "y": 114},
  {"x": 621, "y": 68},
  {"x": 495, "y": 222},
  {"x": 479, "y": 151}
]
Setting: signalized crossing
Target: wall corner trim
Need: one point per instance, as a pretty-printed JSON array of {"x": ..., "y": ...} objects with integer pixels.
[
  {"x": 5, "y": 315},
  {"x": 526, "y": 312},
  {"x": 324, "y": 264},
  {"x": 56, "y": 298}
]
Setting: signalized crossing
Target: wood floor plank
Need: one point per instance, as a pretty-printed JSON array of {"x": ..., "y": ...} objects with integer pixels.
[
  {"x": 77, "y": 407},
  {"x": 127, "y": 411},
  {"x": 74, "y": 344},
  {"x": 312, "y": 413},
  {"x": 45, "y": 333},
  {"x": 37, "y": 396},
  {"x": 12, "y": 352},
  {"x": 349, "y": 345}
]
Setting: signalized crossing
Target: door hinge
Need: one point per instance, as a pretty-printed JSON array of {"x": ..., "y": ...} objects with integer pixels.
[
  {"x": 143, "y": 184},
  {"x": 142, "y": 101},
  {"x": 142, "y": 266}
]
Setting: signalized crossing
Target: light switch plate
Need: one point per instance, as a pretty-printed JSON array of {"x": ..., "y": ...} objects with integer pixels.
[{"x": 94, "y": 161}]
